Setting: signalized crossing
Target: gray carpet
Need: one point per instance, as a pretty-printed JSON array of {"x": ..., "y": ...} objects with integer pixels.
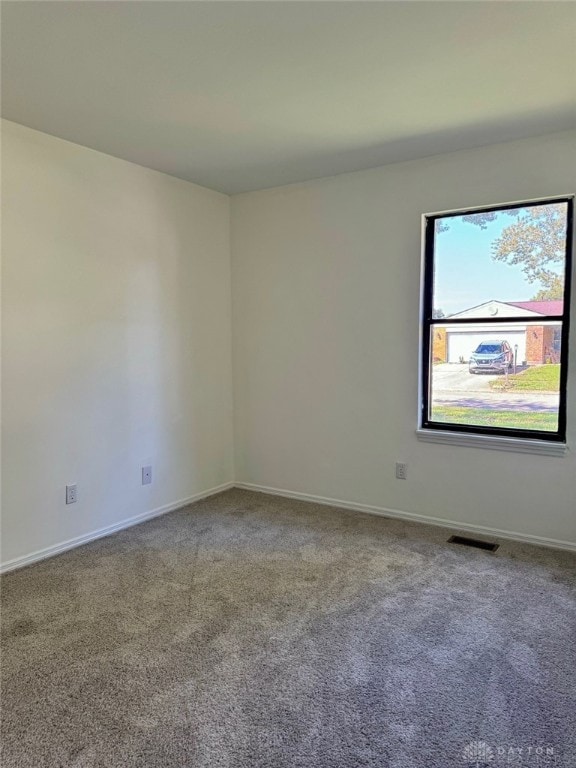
[{"x": 248, "y": 630}]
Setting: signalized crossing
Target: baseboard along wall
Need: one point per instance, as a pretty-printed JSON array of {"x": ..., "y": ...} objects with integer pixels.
[
  {"x": 78, "y": 541},
  {"x": 64, "y": 546}
]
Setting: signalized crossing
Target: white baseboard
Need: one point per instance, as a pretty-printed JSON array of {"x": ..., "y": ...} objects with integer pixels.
[
  {"x": 56, "y": 549},
  {"x": 413, "y": 517}
]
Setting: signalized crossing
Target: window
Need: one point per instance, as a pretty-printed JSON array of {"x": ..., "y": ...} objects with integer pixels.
[{"x": 496, "y": 303}]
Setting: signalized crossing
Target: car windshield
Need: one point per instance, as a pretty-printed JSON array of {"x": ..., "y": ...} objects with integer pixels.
[{"x": 488, "y": 349}]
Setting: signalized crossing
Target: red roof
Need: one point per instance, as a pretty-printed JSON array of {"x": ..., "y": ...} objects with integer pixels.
[{"x": 555, "y": 307}]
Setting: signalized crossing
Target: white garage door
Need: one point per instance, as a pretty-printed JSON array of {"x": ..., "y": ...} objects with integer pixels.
[{"x": 462, "y": 343}]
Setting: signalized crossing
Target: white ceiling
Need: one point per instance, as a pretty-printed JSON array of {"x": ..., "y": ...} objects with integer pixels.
[{"x": 245, "y": 95}]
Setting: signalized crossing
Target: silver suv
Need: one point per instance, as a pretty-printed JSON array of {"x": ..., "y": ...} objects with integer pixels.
[{"x": 491, "y": 356}]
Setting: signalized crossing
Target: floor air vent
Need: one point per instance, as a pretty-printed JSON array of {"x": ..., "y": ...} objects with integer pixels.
[{"x": 488, "y": 545}]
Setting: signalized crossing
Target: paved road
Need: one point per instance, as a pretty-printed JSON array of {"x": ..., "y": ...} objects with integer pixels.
[
  {"x": 452, "y": 384},
  {"x": 533, "y": 402}
]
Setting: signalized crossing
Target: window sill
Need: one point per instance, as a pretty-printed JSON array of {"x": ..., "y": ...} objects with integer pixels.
[{"x": 542, "y": 447}]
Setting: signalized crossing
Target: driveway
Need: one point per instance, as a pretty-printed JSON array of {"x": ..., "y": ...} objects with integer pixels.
[
  {"x": 454, "y": 377},
  {"x": 453, "y": 385}
]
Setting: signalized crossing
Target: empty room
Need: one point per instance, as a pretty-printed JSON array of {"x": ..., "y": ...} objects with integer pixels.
[{"x": 288, "y": 384}]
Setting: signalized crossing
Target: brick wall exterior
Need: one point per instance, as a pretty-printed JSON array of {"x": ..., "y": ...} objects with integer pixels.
[
  {"x": 439, "y": 345},
  {"x": 540, "y": 345},
  {"x": 549, "y": 355}
]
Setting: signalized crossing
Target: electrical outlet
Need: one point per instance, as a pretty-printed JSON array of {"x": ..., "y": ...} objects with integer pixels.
[
  {"x": 71, "y": 494},
  {"x": 146, "y": 475},
  {"x": 401, "y": 470}
]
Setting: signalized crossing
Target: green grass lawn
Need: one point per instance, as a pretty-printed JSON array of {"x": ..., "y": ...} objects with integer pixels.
[
  {"x": 540, "y": 378},
  {"x": 483, "y": 417}
]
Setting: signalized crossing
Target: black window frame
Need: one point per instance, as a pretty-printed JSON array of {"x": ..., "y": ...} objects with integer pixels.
[{"x": 429, "y": 322}]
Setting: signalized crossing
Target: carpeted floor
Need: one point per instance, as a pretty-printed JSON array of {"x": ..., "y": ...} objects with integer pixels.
[{"x": 249, "y": 631}]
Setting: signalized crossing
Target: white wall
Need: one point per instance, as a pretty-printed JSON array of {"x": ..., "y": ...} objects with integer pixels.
[
  {"x": 117, "y": 348},
  {"x": 326, "y": 280},
  {"x": 116, "y": 340}
]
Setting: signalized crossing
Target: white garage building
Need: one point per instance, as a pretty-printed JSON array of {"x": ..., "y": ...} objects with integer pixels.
[{"x": 462, "y": 340}]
